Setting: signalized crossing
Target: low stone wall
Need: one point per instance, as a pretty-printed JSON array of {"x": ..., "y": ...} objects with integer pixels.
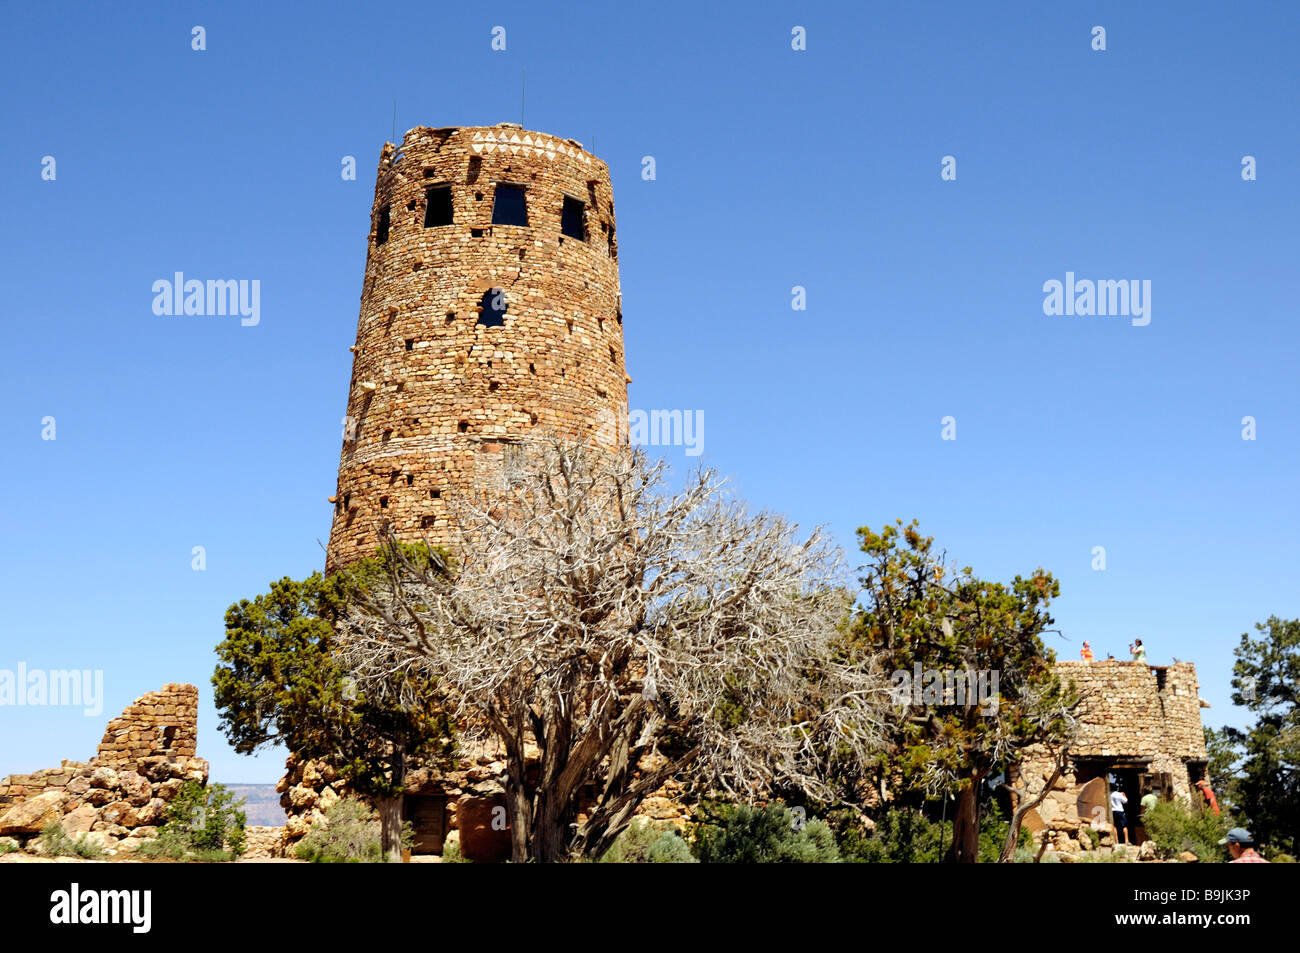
[
  {"x": 118, "y": 798},
  {"x": 263, "y": 842}
]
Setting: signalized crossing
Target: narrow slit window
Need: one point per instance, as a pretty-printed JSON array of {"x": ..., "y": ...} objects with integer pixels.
[
  {"x": 571, "y": 219},
  {"x": 437, "y": 206},
  {"x": 509, "y": 206},
  {"x": 381, "y": 227}
]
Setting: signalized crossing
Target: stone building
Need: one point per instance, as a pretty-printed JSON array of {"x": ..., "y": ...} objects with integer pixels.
[
  {"x": 490, "y": 310},
  {"x": 119, "y": 797},
  {"x": 1141, "y": 730}
]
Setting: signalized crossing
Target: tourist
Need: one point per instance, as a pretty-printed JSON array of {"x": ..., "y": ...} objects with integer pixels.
[
  {"x": 1118, "y": 801},
  {"x": 1242, "y": 847},
  {"x": 1086, "y": 652},
  {"x": 1139, "y": 650},
  {"x": 1204, "y": 787}
]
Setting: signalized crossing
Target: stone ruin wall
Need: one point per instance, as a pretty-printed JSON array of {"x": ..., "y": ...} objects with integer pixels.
[
  {"x": 438, "y": 402},
  {"x": 1127, "y": 716},
  {"x": 118, "y": 798}
]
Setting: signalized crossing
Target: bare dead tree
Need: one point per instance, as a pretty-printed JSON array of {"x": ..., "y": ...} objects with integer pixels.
[
  {"x": 616, "y": 635},
  {"x": 1060, "y": 730}
]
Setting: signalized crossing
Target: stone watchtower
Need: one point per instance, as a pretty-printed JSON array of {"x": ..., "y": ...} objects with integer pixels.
[{"x": 490, "y": 312}]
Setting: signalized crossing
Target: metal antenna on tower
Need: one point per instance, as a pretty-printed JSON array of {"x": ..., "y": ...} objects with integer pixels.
[
  {"x": 394, "y": 122},
  {"x": 523, "y": 91}
]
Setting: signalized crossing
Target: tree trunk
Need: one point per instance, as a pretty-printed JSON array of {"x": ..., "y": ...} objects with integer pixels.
[
  {"x": 390, "y": 828},
  {"x": 966, "y": 825}
]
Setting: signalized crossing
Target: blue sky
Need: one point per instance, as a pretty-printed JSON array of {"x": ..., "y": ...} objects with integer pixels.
[{"x": 775, "y": 168}]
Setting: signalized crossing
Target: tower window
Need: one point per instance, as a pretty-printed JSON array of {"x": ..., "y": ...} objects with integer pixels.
[
  {"x": 492, "y": 309},
  {"x": 437, "y": 206},
  {"x": 571, "y": 219},
  {"x": 381, "y": 227},
  {"x": 410, "y": 343},
  {"x": 509, "y": 206}
]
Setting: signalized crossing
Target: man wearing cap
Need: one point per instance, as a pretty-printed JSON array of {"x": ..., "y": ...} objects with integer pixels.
[{"x": 1242, "y": 847}]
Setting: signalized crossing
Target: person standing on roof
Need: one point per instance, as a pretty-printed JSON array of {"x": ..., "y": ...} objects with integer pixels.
[
  {"x": 1086, "y": 652},
  {"x": 1139, "y": 650}
]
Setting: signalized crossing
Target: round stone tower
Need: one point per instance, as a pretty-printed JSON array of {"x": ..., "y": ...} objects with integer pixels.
[{"x": 489, "y": 313}]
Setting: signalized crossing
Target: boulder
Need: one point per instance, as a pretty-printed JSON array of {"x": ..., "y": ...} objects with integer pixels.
[
  {"x": 484, "y": 836},
  {"x": 80, "y": 820},
  {"x": 1188, "y": 857},
  {"x": 301, "y": 797},
  {"x": 136, "y": 789},
  {"x": 154, "y": 812},
  {"x": 30, "y": 816},
  {"x": 120, "y": 813},
  {"x": 106, "y": 778}
]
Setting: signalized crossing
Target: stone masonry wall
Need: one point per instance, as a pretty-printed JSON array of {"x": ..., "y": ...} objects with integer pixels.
[
  {"x": 119, "y": 797},
  {"x": 439, "y": 403}
]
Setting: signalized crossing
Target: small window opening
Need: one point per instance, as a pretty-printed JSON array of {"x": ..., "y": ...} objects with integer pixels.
[
  {"x": 478, "y": 196},
  {"x": 462, "y": 426},
  {"x": 600, "y": 326},
  {"x": 410, "y": 479},
  {"x": 495, "y": 385},
  {"x": 532, "y": 369},
  {"x": 613, "y": 356},
  {"x": 509, "y": 207},
  {"x": 435, "y": 494},
  {"x": 437, "y": 206},
  {"x": 571, "y": 219},
  {"x": 492, "y": 309},
  {"x": 383, "y": 502},
  {"x": 476, "y": 233},
  {"x": 410, "y": 206},
  {"x": 429, "y": 173},
  {"x": 426, "y": 522},
  {"x": 381, "y": 227},
  {"x": 475, "y": 164},
  {"x": 451, "y": 317},
  {"x": 168, "y": 736},
  {"x": 410, "y": 344},
  {"x": 347, "y": 501}
]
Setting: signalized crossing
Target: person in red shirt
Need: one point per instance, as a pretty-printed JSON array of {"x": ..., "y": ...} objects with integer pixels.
[
  {"x": 1204, "y": 787},
  {"x": 1086, "y": 652},
  {"x": 1241, "y": 845}
]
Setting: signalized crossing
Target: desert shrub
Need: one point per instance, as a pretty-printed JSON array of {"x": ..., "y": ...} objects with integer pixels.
[
  {"x": 644, "y": 842},
  {"x": 740, "y": 834},
  {"x": 55, "y": 842},
  {"x": 349, "y": 834},
  {"x": 8, "y": 845},
  {"x": 451, "y": 850},
  {"x": 1176, "y": 826},
  {"x": 203, "y": 824},
  {"x": 907, "y": 836},
  {"x": 902, "y": 836}
]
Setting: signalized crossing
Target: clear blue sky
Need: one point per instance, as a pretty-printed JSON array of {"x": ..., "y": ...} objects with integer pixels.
[{"x": 775, "y": 168}]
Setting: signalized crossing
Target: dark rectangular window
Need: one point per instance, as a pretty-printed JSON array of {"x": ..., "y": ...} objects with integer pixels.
[
  {"x": 571, "y": 220},
  {"x": 509, "y": 206},
  {"x": 381, "y": 227},
  {"x": 437, "y": 206}
]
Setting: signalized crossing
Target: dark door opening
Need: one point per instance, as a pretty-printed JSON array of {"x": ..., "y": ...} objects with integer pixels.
[{"x": 428, "y": 816}]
